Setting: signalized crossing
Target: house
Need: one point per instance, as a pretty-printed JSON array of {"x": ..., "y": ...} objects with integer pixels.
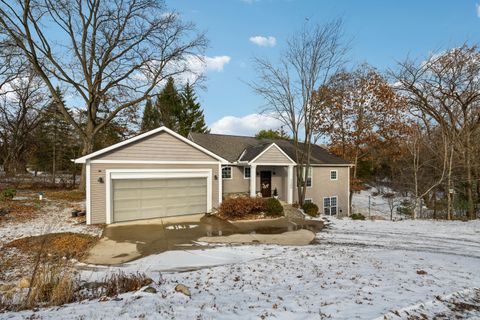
[{"x": 161, "y": 173}]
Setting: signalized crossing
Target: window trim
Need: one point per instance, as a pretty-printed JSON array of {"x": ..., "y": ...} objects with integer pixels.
[
  {"x": 306, "y": 176},
  {"x": 330, "y": 206},
  {"x": 309, "y": 199},
  {"x": 231, "y": 173},
  {"x": 336, "y": 175},
  {"x": 247, "y": 178}
]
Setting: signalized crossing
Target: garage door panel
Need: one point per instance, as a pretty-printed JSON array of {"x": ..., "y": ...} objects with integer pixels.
[{"x": 152, "y": 198}]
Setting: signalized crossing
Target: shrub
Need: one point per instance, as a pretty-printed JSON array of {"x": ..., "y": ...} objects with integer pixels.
[
  {"x": 357, "y": 216},
  {"x": 273, "y": 207},
  {"x": 8, "y": 194},
  {"x": 311, "y": 209},
  {"x": 241, "y": 206},
  {"x": 405, "y": 208}
]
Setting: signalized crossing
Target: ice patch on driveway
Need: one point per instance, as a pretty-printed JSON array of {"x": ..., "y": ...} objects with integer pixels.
[{"x": 183, "y": 260}]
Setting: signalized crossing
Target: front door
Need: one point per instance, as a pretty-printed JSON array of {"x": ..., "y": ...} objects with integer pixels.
[{"x": 266, "y": 183}]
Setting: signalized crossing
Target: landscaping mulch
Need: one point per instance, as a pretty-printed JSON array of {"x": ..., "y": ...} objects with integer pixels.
[
  {"x": 59, "y": 245},
  {"x": 18, "y": 211}
]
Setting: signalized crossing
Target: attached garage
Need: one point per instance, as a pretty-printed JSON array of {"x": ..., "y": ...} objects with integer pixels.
[
  {"x": 135, "y": 199},
  {"x": 150, "y": 193},
  {"x": 154, "y": 175}
]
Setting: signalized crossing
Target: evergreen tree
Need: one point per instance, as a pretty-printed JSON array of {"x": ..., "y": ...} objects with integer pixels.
[
  {"x": 169, "y": 105},
  {"x": 151, "y": 117},
  {"x": 272, "y": 134},
  {"x": 54, "y": 141},
  {"x": 191, "y": 116}
]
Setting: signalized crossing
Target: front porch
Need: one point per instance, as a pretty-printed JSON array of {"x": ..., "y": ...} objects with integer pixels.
[{"x": 265, "y": 179}]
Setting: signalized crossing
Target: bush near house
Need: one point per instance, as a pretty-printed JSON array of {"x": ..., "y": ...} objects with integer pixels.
[
  {"x": 242, "y": 206},
  {"x": 273, "y": 207},
  {"x": 311, "y": 209}
]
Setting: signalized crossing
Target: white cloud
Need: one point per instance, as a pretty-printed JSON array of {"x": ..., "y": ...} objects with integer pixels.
[
  {"x": 247, "y": 125},
  {"x": 477, "y": 6},
  {"x": 216, "y": 63},
  {"x": 197, "y": 66},
  {"x": 264, "y": 41}
]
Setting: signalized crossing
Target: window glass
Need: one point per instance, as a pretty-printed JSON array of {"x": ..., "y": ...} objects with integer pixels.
[
  {"x": 307, "y": 201},
  {"x": 246, "y": 172},
  {"x": 333, "y": 175},
  {"x": 308, "y": 178},
  {"x": 330, "y": 205},
  {"x": 226, "y": 172}
]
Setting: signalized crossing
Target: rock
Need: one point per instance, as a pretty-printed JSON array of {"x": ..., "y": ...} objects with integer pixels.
[
  {"x": 422, "y": 272},
  {"x": 23, "y": 283},
  {"x": 81, "y": 213},
  {"x": 183, "y": 289},
  {"x": 75, "y": 212},
  {"x": 150, "y": 290},
  {"x": 4, "y": 212}
]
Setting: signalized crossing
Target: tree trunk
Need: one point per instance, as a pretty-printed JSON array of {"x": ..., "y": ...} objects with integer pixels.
[
  {"x": 450, "y": 186},
  {"x": 469, "y": 184},
  {"x": 87, "y": 148}
]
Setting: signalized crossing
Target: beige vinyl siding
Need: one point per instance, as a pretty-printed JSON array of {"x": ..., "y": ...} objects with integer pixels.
[
  {"x": 98, "y": 191},
  {"x": 273, "y": 155},
  {"x": 322, "y": 187},
  {"x": 160, "y": 147}
]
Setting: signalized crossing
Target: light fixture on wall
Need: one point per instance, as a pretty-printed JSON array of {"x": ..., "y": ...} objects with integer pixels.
[
  {"x": 100, "y": 179},
  {"x": 215, "y": 177}
]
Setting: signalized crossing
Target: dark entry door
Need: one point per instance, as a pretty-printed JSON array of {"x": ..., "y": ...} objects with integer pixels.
[{"x": 266, "y": 183}]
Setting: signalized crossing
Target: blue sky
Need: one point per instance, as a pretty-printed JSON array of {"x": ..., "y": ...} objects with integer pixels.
[{"x": 383, "y": 32}]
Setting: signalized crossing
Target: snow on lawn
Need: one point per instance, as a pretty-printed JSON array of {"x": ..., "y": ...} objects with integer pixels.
[
  {"x": 54, "y": 217},
  {"x": 378, "y": 204},
  {"x": 358, "y": 270}
]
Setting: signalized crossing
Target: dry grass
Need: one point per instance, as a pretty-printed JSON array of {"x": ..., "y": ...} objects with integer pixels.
[
  {"x": 67, "y": 195},
  {"x": 20, "y": 211},
  {"x": 52, "y": 285},
  {"x": 119, "y": 283},
  {"x": 70, "y": 245}
]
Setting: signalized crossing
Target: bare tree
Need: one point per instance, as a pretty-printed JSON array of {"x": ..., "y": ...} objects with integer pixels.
[
  {"x": 22, "y": 100},
  {"x": 446, "y": 89},
  {"x": 311, "y": 56},
  {"x": 107, "y": 55}
]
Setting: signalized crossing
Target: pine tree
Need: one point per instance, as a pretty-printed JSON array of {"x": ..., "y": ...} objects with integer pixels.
[
  {"x": 191, "y": 115},
  {"x": 54, "y": 141},
  {"x": 151, "y": 117},
  {"x": 169, "y": 105}
]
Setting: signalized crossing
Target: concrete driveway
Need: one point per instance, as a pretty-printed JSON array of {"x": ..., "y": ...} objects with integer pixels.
[{"x": 123, "y": 242}]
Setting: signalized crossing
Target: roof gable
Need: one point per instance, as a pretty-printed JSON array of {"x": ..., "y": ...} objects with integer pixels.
[
  {"x": 161, "y": 142},
  {"x": 272, "y": 154}
]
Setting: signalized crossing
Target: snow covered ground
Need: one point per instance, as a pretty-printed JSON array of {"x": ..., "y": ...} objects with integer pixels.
[
  {"x": 379, "y": 206},
  {"x": 357, "y": 270},
  {"x": 54, "y": 217}
]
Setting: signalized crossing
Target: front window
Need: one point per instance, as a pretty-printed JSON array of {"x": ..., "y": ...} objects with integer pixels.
[
  {"x": 246, "y": 172},
  {"x": 330, "y": 206},
  {"x": 308, "y": 178},
  {"x": 227, "y": 173},
  {"x": 307, "y": 200}
]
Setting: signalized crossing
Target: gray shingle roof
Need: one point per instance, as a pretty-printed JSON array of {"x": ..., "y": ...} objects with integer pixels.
[{"x": 232, "y": 147}]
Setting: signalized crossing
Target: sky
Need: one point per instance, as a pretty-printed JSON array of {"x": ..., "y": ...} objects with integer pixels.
[{"x": 382, "y": 32}]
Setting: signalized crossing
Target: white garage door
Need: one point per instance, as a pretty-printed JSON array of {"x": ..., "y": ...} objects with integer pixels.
[{"x": 135, "y": 199}]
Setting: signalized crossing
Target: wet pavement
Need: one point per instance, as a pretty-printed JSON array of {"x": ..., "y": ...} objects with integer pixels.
[{"x": 128, "y": 241}]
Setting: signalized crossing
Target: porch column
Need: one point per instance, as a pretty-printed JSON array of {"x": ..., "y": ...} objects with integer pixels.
[
  {"x": 253, "y": 180},
  {"x": 290, "y": 185}
]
